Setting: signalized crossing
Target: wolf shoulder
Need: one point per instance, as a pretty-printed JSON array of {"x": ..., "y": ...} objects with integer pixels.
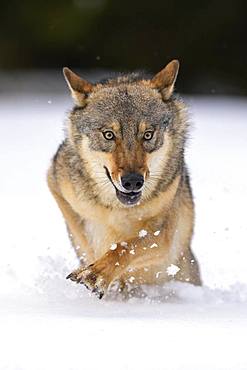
[{"x": 65, "y": 165}]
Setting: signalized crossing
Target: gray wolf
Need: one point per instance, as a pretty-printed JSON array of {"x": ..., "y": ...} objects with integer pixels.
[{"x": 121, "y": 182}]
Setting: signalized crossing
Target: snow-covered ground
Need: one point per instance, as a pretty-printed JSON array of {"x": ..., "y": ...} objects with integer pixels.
[{"x": 47, "y": 322}]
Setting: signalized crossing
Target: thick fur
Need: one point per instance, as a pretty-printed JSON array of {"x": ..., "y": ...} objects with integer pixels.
[{"x": 105, "y": 232}]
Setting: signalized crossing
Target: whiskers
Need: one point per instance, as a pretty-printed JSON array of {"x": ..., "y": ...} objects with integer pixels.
[
  {"x": 152, "y": 182},
  {"x": 156, "y": 176},
  {"x": 103, "y": 188}
]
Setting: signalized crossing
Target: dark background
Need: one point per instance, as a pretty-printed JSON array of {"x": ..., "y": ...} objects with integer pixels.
[{"x": 208, "y": 37}]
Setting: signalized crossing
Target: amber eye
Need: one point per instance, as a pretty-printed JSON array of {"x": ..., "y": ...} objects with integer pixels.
[
  {"x": 148, "y": 135},
  {"x": 108, "y": 135}
]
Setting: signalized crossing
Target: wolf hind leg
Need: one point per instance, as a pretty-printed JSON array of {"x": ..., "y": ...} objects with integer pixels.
[{"x": 189, "y": 269}]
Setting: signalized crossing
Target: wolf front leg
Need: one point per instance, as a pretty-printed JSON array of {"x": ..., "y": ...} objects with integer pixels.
[
  {"x": 142, "y": 251},
  {"x": 75, "y": 228}
]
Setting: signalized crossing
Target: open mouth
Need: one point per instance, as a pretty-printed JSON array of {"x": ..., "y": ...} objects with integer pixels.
[{"x": 127, "y": 198}]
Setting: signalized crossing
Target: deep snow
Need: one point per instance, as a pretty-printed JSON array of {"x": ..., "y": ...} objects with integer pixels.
[{"x": 48, "y": 322}]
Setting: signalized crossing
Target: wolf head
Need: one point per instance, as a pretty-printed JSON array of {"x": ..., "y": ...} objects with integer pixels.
[{"x": 129, "y": 133}]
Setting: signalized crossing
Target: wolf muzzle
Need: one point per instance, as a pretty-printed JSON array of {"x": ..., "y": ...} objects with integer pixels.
[{"x": 132, "y": 184}]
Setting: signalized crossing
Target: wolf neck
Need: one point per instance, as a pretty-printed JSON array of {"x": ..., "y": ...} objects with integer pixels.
[{"x": 104, "y": 226}]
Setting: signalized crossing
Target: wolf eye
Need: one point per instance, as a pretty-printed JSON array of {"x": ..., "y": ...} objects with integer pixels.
[
  {"x": 108, "y": 135},
  {"x": 148, "y": 135}
]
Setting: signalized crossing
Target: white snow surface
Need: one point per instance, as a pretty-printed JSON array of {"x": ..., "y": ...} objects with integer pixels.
[{"x": 48, "y": 322}]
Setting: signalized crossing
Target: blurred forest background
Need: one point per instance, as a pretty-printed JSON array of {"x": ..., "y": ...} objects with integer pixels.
[{"x": 208, "y": 37}]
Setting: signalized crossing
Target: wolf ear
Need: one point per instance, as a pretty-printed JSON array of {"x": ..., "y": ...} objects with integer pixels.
[
  {"x": 164, "y": 80},
  {"x": 79, "y": 88}
]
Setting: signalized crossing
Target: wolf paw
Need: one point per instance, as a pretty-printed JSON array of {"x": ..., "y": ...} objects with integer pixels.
[{"x": 92, "y": 279}]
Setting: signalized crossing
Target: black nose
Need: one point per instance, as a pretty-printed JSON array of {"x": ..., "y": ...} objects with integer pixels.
[{"x": 132, "y": 181}]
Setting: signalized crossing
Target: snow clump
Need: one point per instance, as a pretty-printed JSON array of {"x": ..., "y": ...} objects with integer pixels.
[
  {"x": 113, "y": 246},
  {"x": 172, "y": 270},
  {"x": 142, "y": 233}
]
